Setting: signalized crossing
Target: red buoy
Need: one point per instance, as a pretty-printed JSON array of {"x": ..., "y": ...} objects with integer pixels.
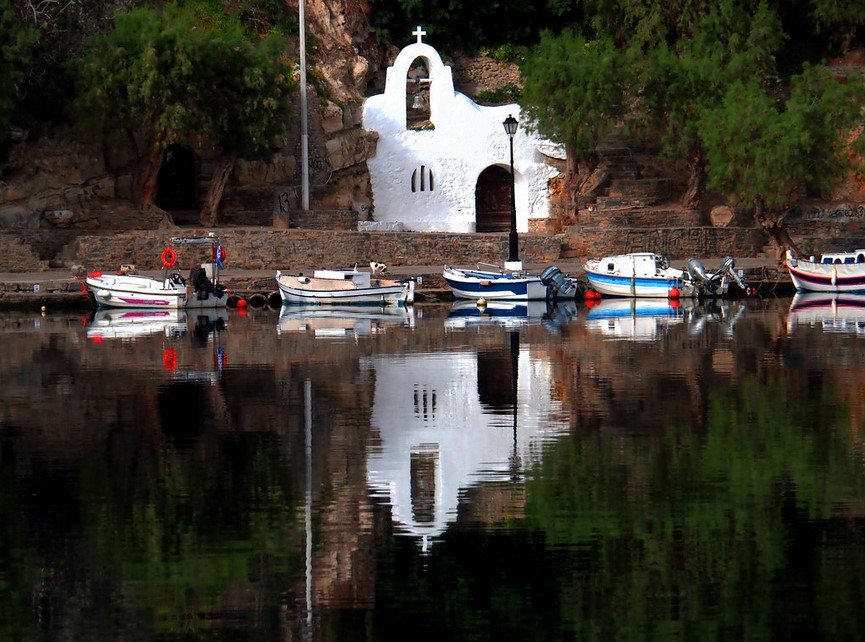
[
  {"x": 241, "y": 303},
  {"x": 674, "y": 292}
]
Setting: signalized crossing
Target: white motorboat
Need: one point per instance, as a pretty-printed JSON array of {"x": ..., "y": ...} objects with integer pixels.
[
  {"x": 173, "y": 291},
  {"x": 345, "y": 287},
  {"x": 829, "y": 272},
  {"x": 493, "y": 283},
  {"x": 646, "y": 274}
]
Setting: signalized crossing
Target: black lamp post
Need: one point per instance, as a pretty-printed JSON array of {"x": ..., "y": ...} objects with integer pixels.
[{"x": 511, "y": 125}]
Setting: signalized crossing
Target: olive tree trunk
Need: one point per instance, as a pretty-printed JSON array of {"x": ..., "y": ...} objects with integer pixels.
[
  {"x": 773, "y": 224},
  {"x": 696, "y": 180},
  {"x": 210, "y": 209},
  {"x": 146, "y": 178}
]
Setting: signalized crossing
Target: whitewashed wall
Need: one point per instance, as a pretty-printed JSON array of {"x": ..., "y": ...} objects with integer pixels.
[{"x": 467, "y": 139}]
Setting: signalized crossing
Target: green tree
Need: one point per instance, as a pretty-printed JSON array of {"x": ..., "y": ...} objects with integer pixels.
[
  {"x": 767, "y": 150},
  {"x": 165, "y": 80},
  {"x": 14, "y": 47},
  {"x": 577, "y": 92},
  {"x": 728, "y": 44}
]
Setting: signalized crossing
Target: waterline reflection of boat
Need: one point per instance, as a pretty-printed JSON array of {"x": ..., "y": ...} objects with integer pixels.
[
  {"x": 647, "y": 319},
  {"x": 638, "y": 319},
  {"x": 343, "y": 321},
  {"x": 130, "y": 323},
  {"x": 510, "y": 313},
  {"x": 829, "y": 311}
]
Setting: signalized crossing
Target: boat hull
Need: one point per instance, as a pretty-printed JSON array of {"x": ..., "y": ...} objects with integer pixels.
[
  {"x": 811, "y": 276},
  {"x": 300, "y": 290},
  {"x": 493, "y": 286},
  {"x": 142, "y": 292},
  {"x": 643, "y": 287}
]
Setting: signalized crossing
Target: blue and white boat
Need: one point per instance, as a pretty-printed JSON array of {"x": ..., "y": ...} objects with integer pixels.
[
  {"x": 646, "y": 274},
  {"x": 493, "y": 283}
]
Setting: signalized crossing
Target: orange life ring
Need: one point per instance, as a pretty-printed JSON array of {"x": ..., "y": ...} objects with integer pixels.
[{"x": 169, "y": 256}]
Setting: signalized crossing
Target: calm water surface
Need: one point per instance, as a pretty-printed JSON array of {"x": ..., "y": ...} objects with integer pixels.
[{"x": 627, "y": 471}]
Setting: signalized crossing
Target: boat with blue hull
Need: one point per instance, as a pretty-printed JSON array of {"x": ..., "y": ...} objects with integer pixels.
[
  {"x": 650, "y": 275},
  {"x": 492, "y": 283}
]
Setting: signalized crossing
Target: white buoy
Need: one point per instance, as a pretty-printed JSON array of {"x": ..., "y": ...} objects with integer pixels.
[{"x": 482, "y": 302}]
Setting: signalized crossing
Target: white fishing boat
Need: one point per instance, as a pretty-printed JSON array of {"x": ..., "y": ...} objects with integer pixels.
[
  {"x": 494, "y": 283},
  {"x": 173, "y": 291},
  {"x": 345, "y": 287},
  {"x": 830, "y": 312},
  {"x": 829, "y": 272},
  {"x": 646, "y": 274}
]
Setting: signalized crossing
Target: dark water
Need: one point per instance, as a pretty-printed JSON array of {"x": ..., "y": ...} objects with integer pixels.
[{"x": 609, "y": 473}]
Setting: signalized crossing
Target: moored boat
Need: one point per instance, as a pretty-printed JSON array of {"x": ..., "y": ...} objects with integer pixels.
[
  {"x": 493, "y": 283},
  {"x": 345, "y": 287},
  {"x": 173, "y": 291},
  {"x": 829, "y": 272},
  {"x": 647, "y": 274}
]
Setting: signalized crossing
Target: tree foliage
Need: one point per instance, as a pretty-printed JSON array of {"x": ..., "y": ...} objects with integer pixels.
[
  {"x": 167, "y": 80},
  {"x": 15, "y": 42},
  {"x": 576, "y": 90},
  {"x": 767, "y": 148}
]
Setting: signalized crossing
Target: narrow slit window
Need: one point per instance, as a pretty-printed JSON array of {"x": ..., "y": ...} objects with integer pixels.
[{"x": 422, "y": 179}]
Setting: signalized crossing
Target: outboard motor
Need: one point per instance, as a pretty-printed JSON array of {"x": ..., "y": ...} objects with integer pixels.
[
  {"x": 728, "y": 265},
  {"x": 697, "y": 272},
  {"x": 556, "y": 282},
  {"x": 200, "y": 283}
]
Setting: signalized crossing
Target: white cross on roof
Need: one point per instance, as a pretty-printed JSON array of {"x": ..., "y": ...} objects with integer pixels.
[{"x": 420, "y": 33}]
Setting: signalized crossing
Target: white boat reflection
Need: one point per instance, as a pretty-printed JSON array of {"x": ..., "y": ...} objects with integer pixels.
[
  {"x": 132, "y": 323},
  {"x": 512, "y": 314},
  {"x": 648, "y": 319},
  {"x": 334, "y": 322},
  {"x": 447, "y": 422},
  {"x": 829, "y": 311},
  {"x": 637, "y": 319}
]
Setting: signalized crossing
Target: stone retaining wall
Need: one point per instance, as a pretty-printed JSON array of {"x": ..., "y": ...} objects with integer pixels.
[
  {"x": 256, "y": 249},
  {"x": 676, "y": 242}
]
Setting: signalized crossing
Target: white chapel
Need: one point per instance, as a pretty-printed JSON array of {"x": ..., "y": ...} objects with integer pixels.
[{"x": 442, "y": 162}]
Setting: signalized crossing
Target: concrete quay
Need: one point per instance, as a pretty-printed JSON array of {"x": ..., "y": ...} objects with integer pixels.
[{"x": 59, "y": 289}]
